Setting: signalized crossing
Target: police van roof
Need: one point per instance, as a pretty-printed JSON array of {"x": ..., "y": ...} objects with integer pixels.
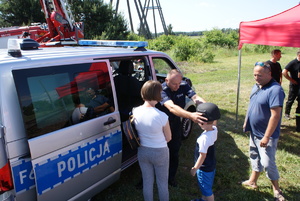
[
  {"x": 83, "y": 50},
  {"x": 70, "y": 52}
]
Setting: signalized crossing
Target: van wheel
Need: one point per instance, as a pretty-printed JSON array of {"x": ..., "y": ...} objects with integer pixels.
[{"x": 187, "y": 125}]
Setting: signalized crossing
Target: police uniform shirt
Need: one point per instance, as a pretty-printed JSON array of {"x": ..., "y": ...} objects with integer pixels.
[{"x": 178, "y": 97}]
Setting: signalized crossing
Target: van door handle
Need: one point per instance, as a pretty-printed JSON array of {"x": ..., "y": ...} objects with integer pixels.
[
  {"x": 25, "y": 156},
  {"x": 110, "y": 121}
]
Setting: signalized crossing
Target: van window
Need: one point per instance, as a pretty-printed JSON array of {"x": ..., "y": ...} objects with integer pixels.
[
  {"x": 129, "y": 77},
  {"x": 162, "y": 67},
  {"x": 55, "y": 97}
]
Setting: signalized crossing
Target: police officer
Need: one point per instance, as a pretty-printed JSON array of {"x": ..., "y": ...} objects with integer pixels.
[{"x": 174, "y": 93}]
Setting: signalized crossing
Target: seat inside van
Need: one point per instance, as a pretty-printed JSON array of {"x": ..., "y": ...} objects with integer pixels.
[{"x": 128, "y": 89}]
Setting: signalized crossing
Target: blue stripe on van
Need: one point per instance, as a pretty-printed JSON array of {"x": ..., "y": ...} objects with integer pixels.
[
  {"x": 23, "y": 176},
  {"x": 55, "y": 171}
]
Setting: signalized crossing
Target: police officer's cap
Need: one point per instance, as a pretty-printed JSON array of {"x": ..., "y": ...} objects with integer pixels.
[{"x": 210, "y": 110}]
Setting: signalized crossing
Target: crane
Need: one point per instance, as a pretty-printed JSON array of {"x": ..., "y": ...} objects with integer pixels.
[{"x": 60, "y": 27}]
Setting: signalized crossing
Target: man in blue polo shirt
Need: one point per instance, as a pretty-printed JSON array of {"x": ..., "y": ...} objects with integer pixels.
[
  {"x": 263, "y": 122},
  {"x": 173, "y": 95}
]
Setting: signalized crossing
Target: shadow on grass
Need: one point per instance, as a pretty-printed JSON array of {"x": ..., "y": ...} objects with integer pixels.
[
  {"x": 232, "y": 162},
  {"x": 289, "y": 139},
  {"x": 124, "y": 189},
  {"x": 232, "y": 167}
]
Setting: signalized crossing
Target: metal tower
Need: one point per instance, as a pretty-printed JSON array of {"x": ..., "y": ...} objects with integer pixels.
[{"x": 142, "y": 12}]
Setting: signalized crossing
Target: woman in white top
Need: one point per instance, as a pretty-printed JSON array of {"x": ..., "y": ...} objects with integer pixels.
[{"x": 154, "y": 132}]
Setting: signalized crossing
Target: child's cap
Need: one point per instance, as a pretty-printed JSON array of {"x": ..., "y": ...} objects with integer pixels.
[{"x": 210, "y": 110}]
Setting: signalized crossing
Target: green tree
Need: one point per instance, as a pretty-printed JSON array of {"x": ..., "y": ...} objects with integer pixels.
[
  {"x": 162, "y": 43},
  {"x": 217, "y": 37},
  {"x": 193, "y": 50},
  {"x": 20, "y": 12},
  {"x": 100, "y": 21}
]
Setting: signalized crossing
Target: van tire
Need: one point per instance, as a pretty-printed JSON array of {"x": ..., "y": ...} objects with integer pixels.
[{"x": 187, "y": 126}]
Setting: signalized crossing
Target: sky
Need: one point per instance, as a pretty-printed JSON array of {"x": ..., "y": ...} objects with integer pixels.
[{"x": 205, "y": 15}]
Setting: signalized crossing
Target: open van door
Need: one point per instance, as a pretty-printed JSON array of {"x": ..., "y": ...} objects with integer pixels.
[{"x": 71, "y": 159}]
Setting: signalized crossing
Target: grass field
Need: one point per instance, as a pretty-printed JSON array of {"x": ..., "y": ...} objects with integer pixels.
[{"x": 217, "y": 82}]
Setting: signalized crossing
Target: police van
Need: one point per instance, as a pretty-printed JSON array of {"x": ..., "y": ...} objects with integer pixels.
[{"x": 61, "y": 110}]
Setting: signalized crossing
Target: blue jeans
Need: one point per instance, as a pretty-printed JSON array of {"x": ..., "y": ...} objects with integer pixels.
[{"x": 263, "y": 158}]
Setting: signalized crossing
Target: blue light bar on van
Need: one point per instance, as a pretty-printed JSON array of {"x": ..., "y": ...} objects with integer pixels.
[{"x": 113, "y": 43}]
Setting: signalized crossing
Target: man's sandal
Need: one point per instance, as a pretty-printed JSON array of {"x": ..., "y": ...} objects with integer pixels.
[
  {"x": 279, "y": 196},
  {"x": 247, "y": 184}
]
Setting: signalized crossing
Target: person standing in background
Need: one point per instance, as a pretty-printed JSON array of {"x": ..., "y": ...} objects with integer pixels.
[
  {"x": 290, "y": 72},
  {"x": 275, "y": 66}
]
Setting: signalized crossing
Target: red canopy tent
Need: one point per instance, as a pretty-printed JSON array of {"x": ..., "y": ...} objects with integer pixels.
[{"x": 282, "y": 29}]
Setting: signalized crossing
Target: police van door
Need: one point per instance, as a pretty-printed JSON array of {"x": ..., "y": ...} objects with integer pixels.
[{"x": 73, "y": 129}]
